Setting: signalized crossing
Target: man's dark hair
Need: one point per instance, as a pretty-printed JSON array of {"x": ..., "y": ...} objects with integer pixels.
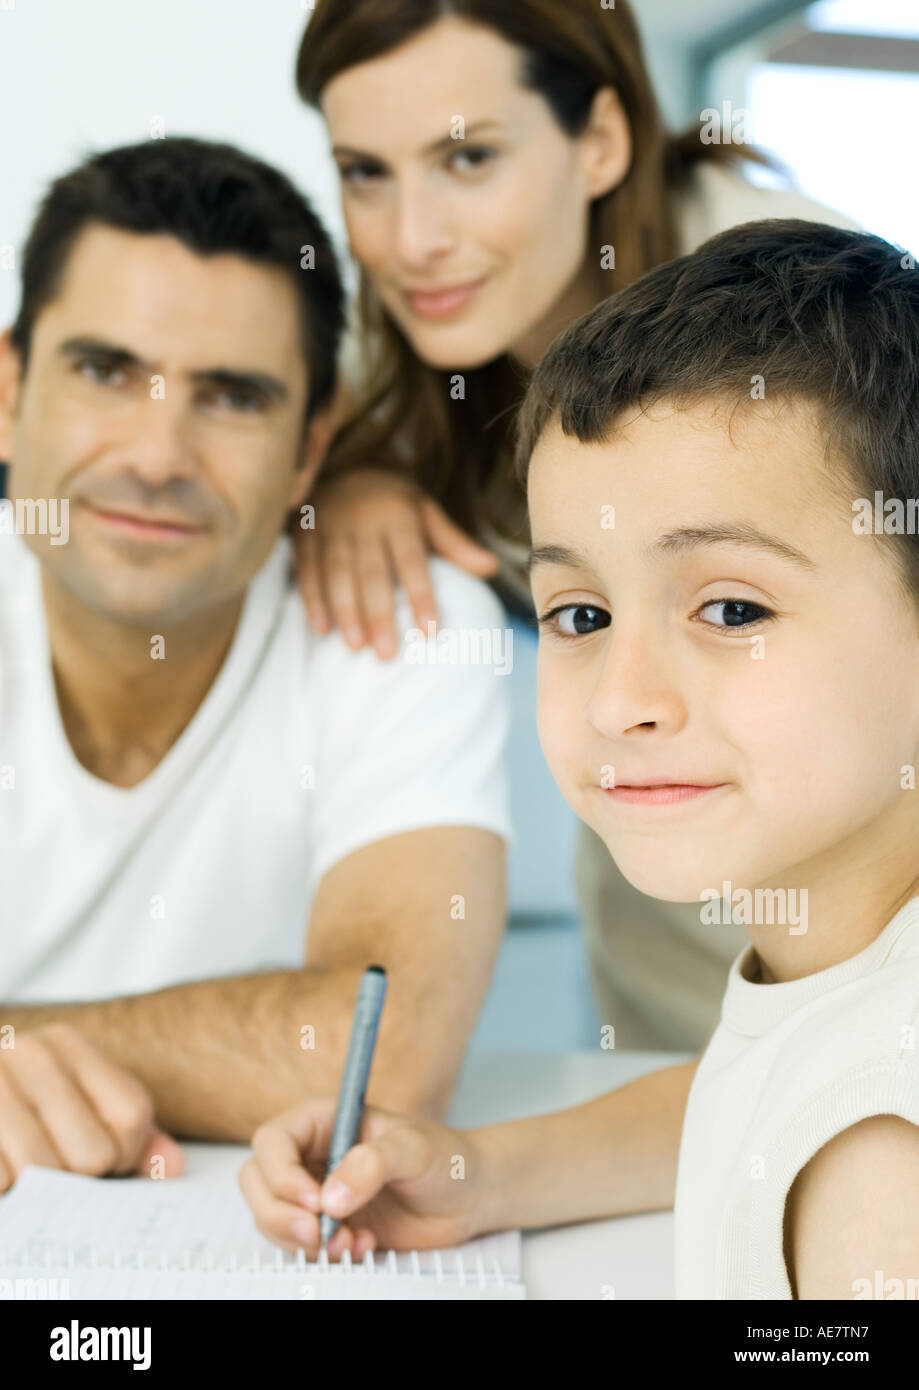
[
  {"x": 823, "y": 315},
  {"x": 214, "y": 199}
]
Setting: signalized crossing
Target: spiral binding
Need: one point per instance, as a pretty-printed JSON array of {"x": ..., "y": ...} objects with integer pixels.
[{"x": 278, "y": 1262}]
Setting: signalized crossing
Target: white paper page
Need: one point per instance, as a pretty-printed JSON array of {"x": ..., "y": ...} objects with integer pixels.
[{"x": 52, "y": 1221}]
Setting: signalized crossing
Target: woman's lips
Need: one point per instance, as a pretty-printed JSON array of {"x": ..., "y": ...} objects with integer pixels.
[
  {"x": 660, "y": 796},
  {"x": 441, "y": 303}
]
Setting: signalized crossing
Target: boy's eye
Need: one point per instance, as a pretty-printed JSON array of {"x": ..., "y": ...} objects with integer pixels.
[
  {"x": 734, "y": 611},
  {"x": 582, "y": 619},
  {"x": 575, "y": 619}
]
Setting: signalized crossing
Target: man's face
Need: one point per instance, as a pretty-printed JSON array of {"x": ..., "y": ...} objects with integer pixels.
[
  {"x": 788, "y": 686},
  {"x": 164, "y": 397}
]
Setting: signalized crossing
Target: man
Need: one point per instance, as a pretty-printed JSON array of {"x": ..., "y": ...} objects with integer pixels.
[{"x": 188, "y": 776}]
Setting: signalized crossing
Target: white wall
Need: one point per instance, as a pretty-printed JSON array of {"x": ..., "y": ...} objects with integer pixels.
[{"x": 78, "y": 76}]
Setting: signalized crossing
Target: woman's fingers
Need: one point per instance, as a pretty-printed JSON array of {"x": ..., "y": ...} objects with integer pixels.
[
  {"x": 377, "y": 595},
  {"x": 411, "y": 562},
  {"x": 454, "y": 543},
  {"x": 373, "y": 543},
  {"x": 308, "y": 552},
  {"x": 340, "y": 576}
]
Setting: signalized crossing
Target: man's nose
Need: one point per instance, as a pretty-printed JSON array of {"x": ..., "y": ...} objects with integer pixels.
[{"x": 161, "y": 444}]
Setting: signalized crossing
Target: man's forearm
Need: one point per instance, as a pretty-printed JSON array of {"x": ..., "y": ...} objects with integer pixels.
[
  {"x": 610, "y": 1157},
  {"x": 221, "y": 1056}
]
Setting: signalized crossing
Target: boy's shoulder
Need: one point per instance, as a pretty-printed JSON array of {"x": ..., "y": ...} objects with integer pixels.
[{"x": 852, "y": 1213}]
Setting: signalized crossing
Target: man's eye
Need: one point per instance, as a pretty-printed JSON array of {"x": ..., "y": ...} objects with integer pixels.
[
  {"x": 237, "y": 398},
  {"x": 98, "y": 370},
  {"x": 575, "y": 620}
]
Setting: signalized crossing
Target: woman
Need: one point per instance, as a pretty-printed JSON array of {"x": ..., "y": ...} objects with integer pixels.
[{"x": 504, "y": 166}]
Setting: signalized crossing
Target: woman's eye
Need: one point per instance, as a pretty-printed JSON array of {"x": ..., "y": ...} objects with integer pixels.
[
  {"x": 736, "y": 612},
  {"x": 359, "y": 173},
  {"x": 478, "y": 156},
  {"x": 575, "y": 620}
]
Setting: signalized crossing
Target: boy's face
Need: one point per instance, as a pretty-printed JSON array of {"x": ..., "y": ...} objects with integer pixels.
[
  {"x": 164, "y": 397},
  {"x": 801, "y": 736}
]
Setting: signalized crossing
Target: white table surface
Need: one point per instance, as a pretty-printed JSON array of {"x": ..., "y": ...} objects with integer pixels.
[{"x": 629, "y": 1257}]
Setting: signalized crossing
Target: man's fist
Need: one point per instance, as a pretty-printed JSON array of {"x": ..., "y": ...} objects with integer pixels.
[{"x": 65, "y": 1104}]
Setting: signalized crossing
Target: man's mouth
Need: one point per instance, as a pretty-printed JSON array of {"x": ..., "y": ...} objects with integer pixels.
[{"x": 145, "y": 527}]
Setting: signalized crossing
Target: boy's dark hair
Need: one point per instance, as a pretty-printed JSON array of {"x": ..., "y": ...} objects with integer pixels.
[
  {"x": 823, "y": 315},
  {"x": 214, "y": 199}
]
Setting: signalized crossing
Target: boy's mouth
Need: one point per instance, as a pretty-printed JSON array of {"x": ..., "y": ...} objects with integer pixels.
[{"x": 657, "y": 792}]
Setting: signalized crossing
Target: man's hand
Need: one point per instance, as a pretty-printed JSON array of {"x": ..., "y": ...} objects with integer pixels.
[{"x": 65, "y": 1104}]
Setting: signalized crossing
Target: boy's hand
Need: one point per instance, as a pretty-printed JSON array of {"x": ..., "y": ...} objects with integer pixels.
[
  {"x": 401, "y": 1185},
  {"x": 373, "y": 532},
  {"x": 65, "y": 1104}
]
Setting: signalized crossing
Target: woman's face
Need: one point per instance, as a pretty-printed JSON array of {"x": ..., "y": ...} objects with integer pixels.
[{"x": 465, "y": 202}]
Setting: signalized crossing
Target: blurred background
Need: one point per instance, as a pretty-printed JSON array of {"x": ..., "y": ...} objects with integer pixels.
[{"x": 831, "y": 88}]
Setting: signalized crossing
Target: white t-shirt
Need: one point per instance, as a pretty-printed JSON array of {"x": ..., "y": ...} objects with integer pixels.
[
  {"x": 208, "y": 866},
  {"x": 788, "y": 1067}
]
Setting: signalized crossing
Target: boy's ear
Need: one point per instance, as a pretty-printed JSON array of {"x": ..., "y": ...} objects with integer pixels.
[
  {"x": 10, "y": 379},
  {"x": 313, "y": 450}
]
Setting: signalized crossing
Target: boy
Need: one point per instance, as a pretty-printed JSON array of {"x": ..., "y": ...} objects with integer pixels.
[{"x": 729, "y": 661}]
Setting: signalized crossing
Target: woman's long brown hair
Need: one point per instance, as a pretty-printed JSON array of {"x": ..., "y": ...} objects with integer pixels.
[{"x": 405, "y": 419}]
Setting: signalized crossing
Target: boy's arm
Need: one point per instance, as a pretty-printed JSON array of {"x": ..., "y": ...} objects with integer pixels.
[
  {"x": 610, "y": 1157},
  {"x": 853, "y": 1210}
]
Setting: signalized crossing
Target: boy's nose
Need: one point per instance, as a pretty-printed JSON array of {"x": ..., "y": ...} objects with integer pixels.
[{"x": 635, "y": 688}]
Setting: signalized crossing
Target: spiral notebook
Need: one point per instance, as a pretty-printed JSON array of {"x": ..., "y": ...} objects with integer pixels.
[{"x": 72, "y": 1237}]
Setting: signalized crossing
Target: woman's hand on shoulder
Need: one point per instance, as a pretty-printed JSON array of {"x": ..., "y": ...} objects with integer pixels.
[{"x": 373, "y": 531}]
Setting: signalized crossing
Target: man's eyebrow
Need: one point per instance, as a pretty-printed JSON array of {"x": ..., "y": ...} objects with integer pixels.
[
  {"x": 445, "y": 142},
  {"x": 230, "y": 377},
  {"x": 683, "y": 539},
  {"x": 271, "y": 386},
  {"x": 83, "y": 347}
]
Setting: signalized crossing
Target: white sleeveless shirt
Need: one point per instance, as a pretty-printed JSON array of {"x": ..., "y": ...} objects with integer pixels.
[{"x": 788, "y": 1067}]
